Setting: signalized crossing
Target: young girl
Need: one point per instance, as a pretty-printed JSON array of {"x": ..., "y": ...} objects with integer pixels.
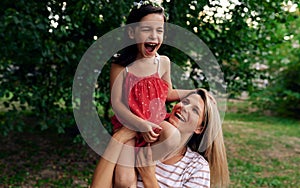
[{"x": 140, "y": 85}]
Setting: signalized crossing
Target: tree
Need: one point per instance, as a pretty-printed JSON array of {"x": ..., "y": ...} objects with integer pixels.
[
  {"x": 238, "y": 33},
  {"x": 44, "y": 41},
  {"x": 282, "y": 95}
]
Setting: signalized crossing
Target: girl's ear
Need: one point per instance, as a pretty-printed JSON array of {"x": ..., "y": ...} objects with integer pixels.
[
  {"x": 130, "y": 33},
  {"x": 199, "y": 130}
]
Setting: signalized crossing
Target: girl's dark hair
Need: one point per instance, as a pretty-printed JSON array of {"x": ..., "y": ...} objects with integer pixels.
[
  {"x": 128, "y": 54},
  {"x": 137, "y": 14}
]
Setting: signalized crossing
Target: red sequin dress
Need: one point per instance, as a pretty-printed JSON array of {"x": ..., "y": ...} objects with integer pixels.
[{"x": 146, "y": 99}]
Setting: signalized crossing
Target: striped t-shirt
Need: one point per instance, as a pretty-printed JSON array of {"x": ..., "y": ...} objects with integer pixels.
[{"x": 191, "y": 171}]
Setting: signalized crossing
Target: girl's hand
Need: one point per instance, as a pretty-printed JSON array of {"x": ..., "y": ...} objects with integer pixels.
[
  {"x": 209, "y": 94},
  {"x": 152, "y": 133}
]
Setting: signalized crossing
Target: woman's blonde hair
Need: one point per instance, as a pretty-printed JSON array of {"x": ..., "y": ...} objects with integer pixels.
[{"x": 210, "y": 142}]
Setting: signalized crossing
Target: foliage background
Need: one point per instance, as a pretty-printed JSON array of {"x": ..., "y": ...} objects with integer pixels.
[{"x": 43, "y": 41}]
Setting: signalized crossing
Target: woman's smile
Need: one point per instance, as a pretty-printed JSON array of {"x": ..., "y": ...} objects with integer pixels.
[{"x": 186, "y": 115}]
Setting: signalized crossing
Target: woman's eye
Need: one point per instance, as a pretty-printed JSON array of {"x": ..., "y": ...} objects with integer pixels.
[
  {"x": 195, "y": 110},
  {"x": 184, "y": 102}
]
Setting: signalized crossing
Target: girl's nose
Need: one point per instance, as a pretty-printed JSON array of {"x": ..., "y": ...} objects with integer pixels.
[{"x": 153, "y": 35}]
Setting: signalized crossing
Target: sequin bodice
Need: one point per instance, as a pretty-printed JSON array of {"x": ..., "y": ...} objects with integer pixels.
[{"x": 147, "y": 96}]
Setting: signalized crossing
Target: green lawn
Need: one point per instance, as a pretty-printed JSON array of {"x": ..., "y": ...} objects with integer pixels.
[{"x": 262, "y": 151}]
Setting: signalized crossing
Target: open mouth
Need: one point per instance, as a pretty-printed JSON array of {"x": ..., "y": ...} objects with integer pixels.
[
  {"x": 180, "y": 117},
  {"x": 150, "y": 47}
]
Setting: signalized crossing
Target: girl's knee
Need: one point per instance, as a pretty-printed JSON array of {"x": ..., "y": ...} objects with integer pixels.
[
  {"x": 169, "y": 141},
  {"x": 125, "y": 180},
  {"x": 172, "y": 139},
  {"x": 125, "y": 177},
  {"x": 170, "y": 136}
]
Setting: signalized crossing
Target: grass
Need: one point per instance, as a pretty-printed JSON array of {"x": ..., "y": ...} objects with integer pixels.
[
  {"x": 262, "y": 151},
  {"x": 44, "y": 159}
]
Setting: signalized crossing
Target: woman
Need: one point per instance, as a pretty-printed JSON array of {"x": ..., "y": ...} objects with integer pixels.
[{"x": 197, "y": 120}]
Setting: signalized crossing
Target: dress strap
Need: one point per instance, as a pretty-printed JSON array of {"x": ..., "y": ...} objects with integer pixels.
[
  {"x": 126, "y": 71},
  {"x": 157, "y": 60}
]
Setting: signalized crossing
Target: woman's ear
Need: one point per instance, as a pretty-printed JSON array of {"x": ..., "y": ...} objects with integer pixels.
[
  {"x": 199, "y": 130},
  {"x": 130, "y": 33}
]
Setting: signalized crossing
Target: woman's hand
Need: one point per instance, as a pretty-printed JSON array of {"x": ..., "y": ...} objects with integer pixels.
[
  {"x": 146, "y": 167},
  {"x": 209, "y": 94},
  {"x": 105, "y": 168}
]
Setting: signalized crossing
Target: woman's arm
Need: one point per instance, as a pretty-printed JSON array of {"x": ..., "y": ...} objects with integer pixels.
[
  {"x": 121, "y": 108},
  {"x": 200, "y": 177},
  {"x": 103, "y": 173},
  {"x": 146, "y": 167}
]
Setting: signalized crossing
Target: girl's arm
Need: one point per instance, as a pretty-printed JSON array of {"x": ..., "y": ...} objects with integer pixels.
[
  {"x": 121, "y": 108},
  {"x": 103, "y": 173},
  {"x": 173, "y": 94},
  {"x": 178, "y": 94}
]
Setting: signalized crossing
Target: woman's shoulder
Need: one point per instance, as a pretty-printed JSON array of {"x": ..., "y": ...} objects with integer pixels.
[
  {"x": 198, "y": 170},
  {"x": 196, "y": 158}
]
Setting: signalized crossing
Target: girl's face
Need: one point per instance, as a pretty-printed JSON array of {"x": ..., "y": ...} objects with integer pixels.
[
  {"x": 148, "y": 34},
  {"x": 188, "y": 114}
]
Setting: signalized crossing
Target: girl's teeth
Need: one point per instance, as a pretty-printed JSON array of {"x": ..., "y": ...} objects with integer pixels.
[{"x": 150, "y": 46}]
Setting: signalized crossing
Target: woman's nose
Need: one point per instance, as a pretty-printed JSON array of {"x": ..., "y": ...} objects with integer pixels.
[{"x": 183, "y": 108}]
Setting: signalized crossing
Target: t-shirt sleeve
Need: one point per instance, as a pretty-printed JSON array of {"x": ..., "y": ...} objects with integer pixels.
[{"x": 200, "y": 177}]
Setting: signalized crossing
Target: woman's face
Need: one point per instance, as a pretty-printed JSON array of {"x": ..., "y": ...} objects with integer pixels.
[
  {"x": 188, "y": 114},
  {"x": 148, "y": 34}
]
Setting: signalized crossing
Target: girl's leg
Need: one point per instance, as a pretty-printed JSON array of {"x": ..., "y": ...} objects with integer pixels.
[
  {"x": 125, "y": 175},
  {"x": 169, "y": 140}
]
